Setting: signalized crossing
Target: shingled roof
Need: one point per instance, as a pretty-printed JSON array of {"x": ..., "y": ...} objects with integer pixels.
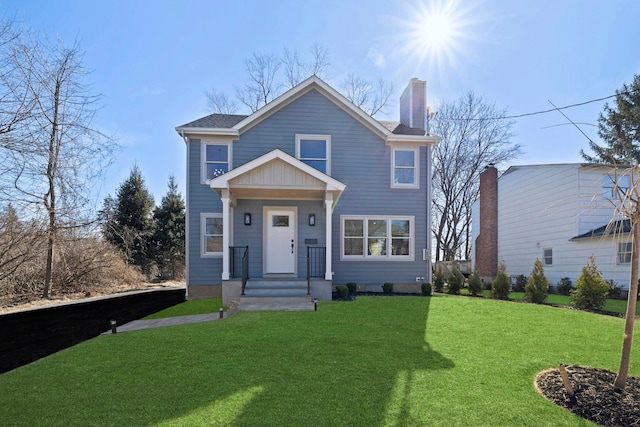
[
  {"x": 615, "y": 228},
  {"x": 216, "y": 121}
]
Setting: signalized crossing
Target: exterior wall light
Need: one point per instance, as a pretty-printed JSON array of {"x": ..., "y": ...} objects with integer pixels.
[
  {"x": 247, "y": 218},
  {"x": 312, "y": 220}
]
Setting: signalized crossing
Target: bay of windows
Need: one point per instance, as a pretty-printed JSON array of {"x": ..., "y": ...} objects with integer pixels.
[{"x": 377, "y": 237}]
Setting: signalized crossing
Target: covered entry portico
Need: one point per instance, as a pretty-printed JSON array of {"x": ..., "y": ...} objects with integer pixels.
[{"x": 276, "y": 177}]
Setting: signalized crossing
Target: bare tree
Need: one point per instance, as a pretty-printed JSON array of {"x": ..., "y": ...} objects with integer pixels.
[
  {"x": 296, "y": 70},
  {"x": 261, "y": 86},
  {"x": 56, "y": 156},
  {"x": 372, "y": 97},
  {"x": 473, "y": 136},
  {"x": 220, "y": 102}
]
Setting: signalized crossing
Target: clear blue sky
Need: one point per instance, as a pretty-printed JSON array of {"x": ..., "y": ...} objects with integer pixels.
[{"x": 152, "y": 60}]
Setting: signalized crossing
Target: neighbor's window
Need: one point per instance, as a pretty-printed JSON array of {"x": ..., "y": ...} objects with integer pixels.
[
  {"x": 211, "y": 227},
  {"x": 548, "y": 256},
  {"x": 614, "y": 187},
  {"x": 381, "y": 238},
  {"x": 315, "y": 150},
  {"x": 405, "y": 167},
  {"x": 624, "y": 253},
  {"x": 215, "y": 159}
]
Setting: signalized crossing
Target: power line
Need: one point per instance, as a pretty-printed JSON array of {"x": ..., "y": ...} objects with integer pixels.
[{"x": 517, "y": 116}]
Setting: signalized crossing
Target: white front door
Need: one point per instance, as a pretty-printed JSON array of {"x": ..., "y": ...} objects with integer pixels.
[{"x": 280, "y": 241}]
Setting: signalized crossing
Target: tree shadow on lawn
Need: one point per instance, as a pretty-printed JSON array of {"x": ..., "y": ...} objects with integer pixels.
[{"x": 252, "y": 369}]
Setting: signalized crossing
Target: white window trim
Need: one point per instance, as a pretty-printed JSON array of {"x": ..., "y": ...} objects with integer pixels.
[
  {"x": 416, "y": 158},
  {"x": 385, "y": 258},
  {"x": 203, "y": 156},
  {"x": 326, "y": 138},
  {"x": 618, "y": 253},
  {"x": 544, "y": 259},
  {"x": 615, "y": 187},
  {"x": 203, "y": 240}
]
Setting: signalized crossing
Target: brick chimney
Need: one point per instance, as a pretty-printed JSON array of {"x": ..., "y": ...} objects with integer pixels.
[
  {"x": 413, "y": 104},
  {"x": 486, "y": 246}
]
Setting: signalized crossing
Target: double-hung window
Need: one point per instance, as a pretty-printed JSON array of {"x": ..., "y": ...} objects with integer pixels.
[
  {"x": 211, "y": 234},
  {"x": 614, "y": 187},
  {"x": 216, "y": 158},
  {"x": 377, "y": 238},
  {"x": 405, "y": 167},
  {"x": 624, "y": 253},
  {"x": 315, "y": 150},
  {"x": 547, "y": 255}
]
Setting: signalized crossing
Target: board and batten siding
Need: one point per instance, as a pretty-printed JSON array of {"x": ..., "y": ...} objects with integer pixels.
[{"x": 543, "y": 207}]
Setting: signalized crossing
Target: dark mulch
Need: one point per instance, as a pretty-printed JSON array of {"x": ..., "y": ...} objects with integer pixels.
[{"x": 595, "y": 397}]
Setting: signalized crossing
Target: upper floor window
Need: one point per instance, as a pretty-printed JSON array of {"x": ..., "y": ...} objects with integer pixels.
[
  {"x": 624, "y": 253},
  {"x": 315, "y": 150},
  {"x": 405, "y": 171},
  {"x": 216, "y": 158},
  {"x": 615, "y": 186},
  {"x": 547, "y": 256}
]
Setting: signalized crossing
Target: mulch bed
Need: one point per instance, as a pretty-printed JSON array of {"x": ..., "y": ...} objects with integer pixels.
[{"x": 595, "y": 397}]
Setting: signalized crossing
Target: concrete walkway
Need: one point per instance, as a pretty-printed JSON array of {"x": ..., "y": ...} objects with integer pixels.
[{"x": 137, "y": 325}]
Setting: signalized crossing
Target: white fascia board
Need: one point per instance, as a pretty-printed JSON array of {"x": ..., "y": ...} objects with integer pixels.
[
  {"x": 294, "y": 93},
  {"x": 207, "y": 131},
  {"x": 418, "y": 140}
]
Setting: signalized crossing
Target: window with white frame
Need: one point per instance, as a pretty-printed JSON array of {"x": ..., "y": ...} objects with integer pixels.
[
  {"x": 405, "y": 167},
  {"x": 216, "y": 158},
  {"x": 377, "y": 238},
  {"x": 624, "y": 253},
  {"x": 615, "y": 186},
  {"x": 315, "y": 150},
  {"x": 547, "y": 255},
  {"x": 211, "y": 234}
]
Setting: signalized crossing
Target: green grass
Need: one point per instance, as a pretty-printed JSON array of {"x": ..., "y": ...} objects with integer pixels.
[
  {"x": 200, "y": 306},
  {"x": 378, "y": 361},
  {"x": 611, "y": 305}
]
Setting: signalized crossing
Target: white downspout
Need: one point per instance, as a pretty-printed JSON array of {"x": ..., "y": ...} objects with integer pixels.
[{"x": 186, "y": 225}]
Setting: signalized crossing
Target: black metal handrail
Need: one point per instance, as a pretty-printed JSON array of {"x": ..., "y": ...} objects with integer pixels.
[
  {"x": 239, "y": 263},
  {"x": 316, "y": 263}
]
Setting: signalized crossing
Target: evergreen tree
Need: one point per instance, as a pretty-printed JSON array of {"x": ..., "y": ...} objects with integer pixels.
[
  {"x": 500, "y": 287},
  {"x": 169, "y": 235},
  {"x": 537, "y": 287},
  {"x": 619, "y": 128},
  {"x": 127, "y": 219},
  {"x": 591, "y": 289}
]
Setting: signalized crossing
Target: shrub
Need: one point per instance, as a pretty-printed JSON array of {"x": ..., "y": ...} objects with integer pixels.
[
  {"x": 537, "y": 287},
  {"x": 454, "y": 283},
  {"x": 521, "y": 283},
  {"x": 438, "y": 282},
  {"x": 500, "y": 286},
  {"x": 474, "y": 284},
  {"x": 342, "y": 292},
  {"x": 591, "y": 289},
  {"x": 427, "y": 289},
  {"x": 352, "y": 286},
  {"x": 387, "y": 288},
  {"x": 564, "y": 286}
]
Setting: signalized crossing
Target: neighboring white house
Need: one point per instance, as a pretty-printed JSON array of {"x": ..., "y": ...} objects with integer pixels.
[{"x": 561, "y": 214}]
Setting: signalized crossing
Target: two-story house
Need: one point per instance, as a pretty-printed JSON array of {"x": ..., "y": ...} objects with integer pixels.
[
  {"x": 560, "y": 214},
  {"x": 308, "y": 192}
]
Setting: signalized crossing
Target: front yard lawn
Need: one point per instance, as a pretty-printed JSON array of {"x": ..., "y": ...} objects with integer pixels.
[{"x": 378, "y": 361}]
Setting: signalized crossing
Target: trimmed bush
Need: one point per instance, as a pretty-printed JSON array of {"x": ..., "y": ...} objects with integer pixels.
[
  {"x": 427, "y": 289},
  {"x": 521, "y": 283},
  {"x": 352, "y": 286},
  {"x": 564, "y": 286},
  {"x": 454, "y": 284},
  {"x": 591, "y": 289},
  {"x": 342, "y": 292},
  {"x": 475, "y": 284},
  {"x": 387, "y": 288},
  {"x": 438, "y": 282},
  {"x": 500, "y": 287},
  {"x": 537, "y": 287}
]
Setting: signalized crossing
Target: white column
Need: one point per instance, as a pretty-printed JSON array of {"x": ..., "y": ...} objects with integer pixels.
[
  {"x": 328, "y": 206},
  {"x": 226, "y": 232}
]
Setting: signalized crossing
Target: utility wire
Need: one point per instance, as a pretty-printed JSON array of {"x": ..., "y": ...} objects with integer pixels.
[{"x": 517, "y": 116}]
